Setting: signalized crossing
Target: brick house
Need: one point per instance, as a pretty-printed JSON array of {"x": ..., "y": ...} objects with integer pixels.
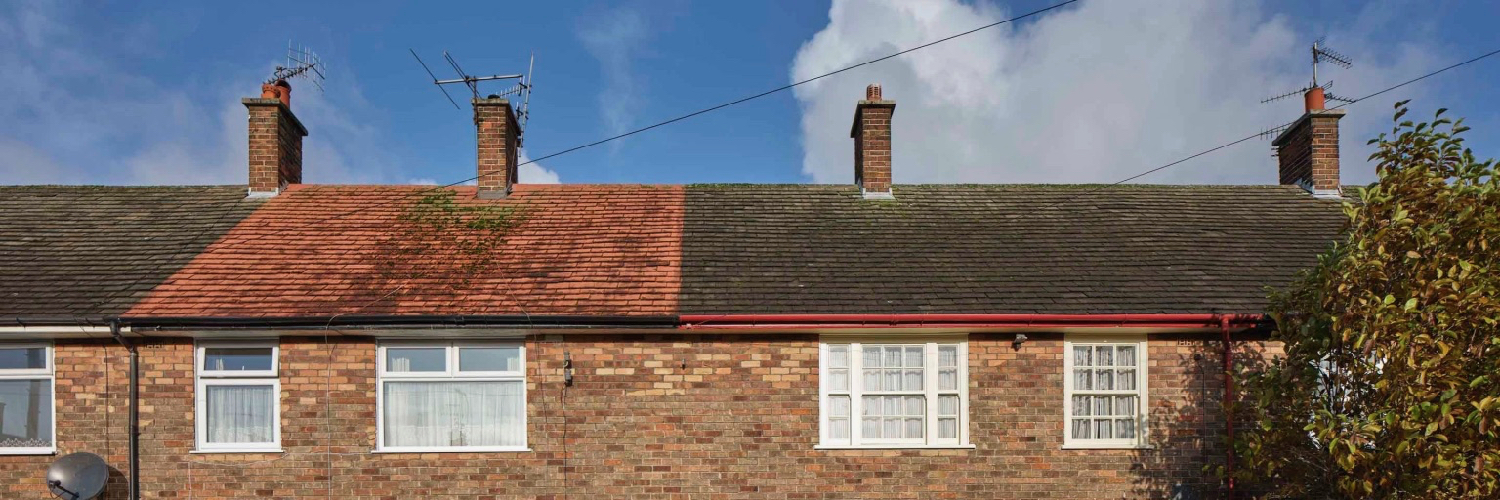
[{"x": 623, "y": 341}]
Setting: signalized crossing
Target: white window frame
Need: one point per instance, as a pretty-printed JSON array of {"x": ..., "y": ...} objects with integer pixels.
[
  {"x": 1141, "y": 392},
  {"x": 48, "y": 373},
  {"x": 204, "y": 378},
  {"x": 930, "y": 392},
  {"x": 450, "y": 373}
]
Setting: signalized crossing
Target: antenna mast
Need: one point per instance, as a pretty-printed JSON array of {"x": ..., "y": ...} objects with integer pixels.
[
  {"x": 1316, "y": 92},
  {"x": 300, "y": 62},
  {"x": 522, "y": 88}
]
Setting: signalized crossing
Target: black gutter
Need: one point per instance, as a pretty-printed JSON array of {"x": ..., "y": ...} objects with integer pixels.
[
  {"x": 407, "y": 320},
  {"x": 134, "y": 487},
  {"x": 23, "y": 321}
]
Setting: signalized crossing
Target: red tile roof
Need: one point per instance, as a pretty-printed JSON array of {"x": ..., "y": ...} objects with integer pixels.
[{"x": 577, "y": 249}]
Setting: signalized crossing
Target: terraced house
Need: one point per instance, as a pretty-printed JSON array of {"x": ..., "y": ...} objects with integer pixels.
[{"x": 286, "y": 340}]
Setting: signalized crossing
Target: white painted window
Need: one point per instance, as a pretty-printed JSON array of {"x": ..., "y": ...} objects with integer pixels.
[
  {"x": 452, "y": 396},
  {"x": 238, "y": 397},
  {"x": 26, "y": 399},
  {"x": 1105, "y": 387},
  {"x": 879, "y": 393}
]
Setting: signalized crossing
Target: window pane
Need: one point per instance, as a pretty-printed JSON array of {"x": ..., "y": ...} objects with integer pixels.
[
  {"x": 892, "y": 405},
  {"x": 1125, "y": 356},
  {"x": 871, "y": 356},
  {"x": 1101, "y": 405},
  {"x": 914, "y": 356},
  {"x": 1081, "y": 428},
  {"x": 1125, "y": 380},
  {"x": 915, "y": 405},
  {"x": 1081, "y": 356},
  {"x": 893, "y": 380},
  {"x": 947, "y": 355},
  {"x": 1083, "y": 380},
  {"x": 25, "y": 413},
  {"x": 913, "y": 380},
  {"x": 23, "y": 358},
  {"x": 1124, "y": 405},
  {"x": 948, "y": 379},
  {"x": 1105, "y": 380},
  {"x": 237, "y": 358},
  {"x": 870, "y": 406},
  {"x": 947, "y": 428},
  {"x": 1104, "y": 356},
  {"x": 838, "y": 356},
  {"x": 914, "y": 428},
  {"x": 454, "y": 414},
  {"x": 1082, "y": 406},
  {"x": 489, "y": 359},
  {"x": 1102, "y": 429},
  {"x": 238, "y": 413},
  {"x": 1125, "y": 428},
  {"x": 838, "y": 429},
  {"x": 893, "y": 356},
  {"x": 838, "y": 406},
  {"x": 870, "y": 428},
  {"x": 838, "y": 380},
  {"x": 416, "y": 359},
  {"x": 947, "y": 405},
  {"x": 872, "y": 380}
]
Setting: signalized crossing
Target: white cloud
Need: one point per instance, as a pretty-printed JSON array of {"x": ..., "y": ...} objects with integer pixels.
[
  {"x": 1095, "y": 93},
  {"x": 615, "y": 38},
  {"x": 535, "y": 173},
  {"x": 85, "y": 117}
]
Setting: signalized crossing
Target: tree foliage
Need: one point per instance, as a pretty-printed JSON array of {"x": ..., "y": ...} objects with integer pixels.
[{"x": 1388, "y": 387}]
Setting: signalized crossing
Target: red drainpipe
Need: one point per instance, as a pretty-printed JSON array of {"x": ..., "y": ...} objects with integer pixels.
[
  {"x": 808, "y": 321},
  {"x": 1228, "y": 414}
]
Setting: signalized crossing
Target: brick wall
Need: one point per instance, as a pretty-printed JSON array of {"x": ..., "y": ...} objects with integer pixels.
[{"x": 690, "y": 416}]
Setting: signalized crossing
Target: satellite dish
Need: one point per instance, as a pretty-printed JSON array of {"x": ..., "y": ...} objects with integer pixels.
[{"x": 77, "y": 476}]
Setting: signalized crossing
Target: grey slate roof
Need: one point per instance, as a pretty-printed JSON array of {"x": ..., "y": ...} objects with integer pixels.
[
  {"x": 994, "y": 249},
  {"x": 88, "y": 252}
]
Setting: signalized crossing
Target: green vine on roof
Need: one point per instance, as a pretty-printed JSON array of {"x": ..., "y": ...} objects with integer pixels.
[{"x": 440, "y": 240}]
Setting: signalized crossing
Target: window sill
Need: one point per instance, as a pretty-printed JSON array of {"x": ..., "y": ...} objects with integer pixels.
[
  {"x": 896, "y": 447},
  {"x": 234, "y": 451},
  {"x": 28, "y": 451},
  {"x": 1086, "y": 446},
  {"x": 488, "y": 449}
]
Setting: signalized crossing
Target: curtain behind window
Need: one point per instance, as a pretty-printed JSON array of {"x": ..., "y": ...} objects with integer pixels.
[{"x": 455, "y": 413}]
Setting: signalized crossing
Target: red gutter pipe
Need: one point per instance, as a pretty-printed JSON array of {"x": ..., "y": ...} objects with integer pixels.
[
  {"x": 802, "y": 321},
  {"x": 1228, "y": 408}
]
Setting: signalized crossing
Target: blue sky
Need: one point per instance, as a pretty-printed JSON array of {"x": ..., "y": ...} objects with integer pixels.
[{"x": 124, "y": 93}]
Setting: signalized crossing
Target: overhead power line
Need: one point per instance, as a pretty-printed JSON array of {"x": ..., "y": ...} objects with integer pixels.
[
  {"x": 1258, "y": 134},
  {"x": 720, "y": 106}
]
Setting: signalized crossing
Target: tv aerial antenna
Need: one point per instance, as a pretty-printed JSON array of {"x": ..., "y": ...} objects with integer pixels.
[
  {"x": 521, "y": 89},
  {"x": 1320, "y": 54},
  {"x": 301, "y": 62}
]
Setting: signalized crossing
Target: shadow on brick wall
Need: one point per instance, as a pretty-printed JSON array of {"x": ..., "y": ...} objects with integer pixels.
[{"x": 1188, "y": 428}]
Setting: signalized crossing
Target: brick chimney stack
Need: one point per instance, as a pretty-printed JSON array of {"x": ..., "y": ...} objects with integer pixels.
[
  {"x": 498, "y": 146},
  {"x": 872, "y": 144},
  {"x": 1308, "y": 151},
  {"x": 275, "y": 140}
]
